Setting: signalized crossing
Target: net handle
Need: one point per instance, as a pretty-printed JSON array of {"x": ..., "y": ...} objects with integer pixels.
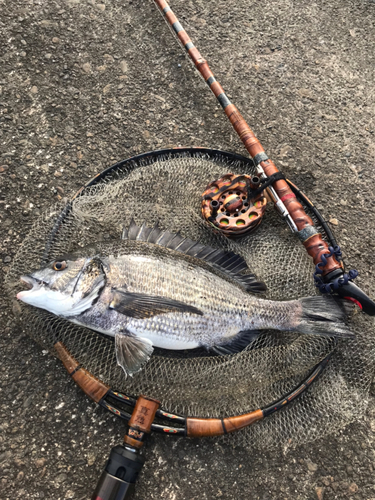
[
  {"x": 284, "y": 198},
  {"x": 118, "y": 479},
  {"x": 192, "y": 426}
]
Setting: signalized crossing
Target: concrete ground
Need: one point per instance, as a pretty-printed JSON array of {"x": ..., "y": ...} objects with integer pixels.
[{"x": 84, "y": 84}]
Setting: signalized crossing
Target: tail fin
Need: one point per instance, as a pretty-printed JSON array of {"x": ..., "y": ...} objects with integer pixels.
[{"x": 325, "y": 316}]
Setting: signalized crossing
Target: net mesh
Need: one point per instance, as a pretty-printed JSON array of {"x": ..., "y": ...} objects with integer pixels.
[{"x": 167, "y": 188}]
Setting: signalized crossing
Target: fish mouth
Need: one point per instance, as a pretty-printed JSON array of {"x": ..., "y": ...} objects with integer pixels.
[
  {"x": 32, "y": 285},
  {"x": 28, "y": 281}
]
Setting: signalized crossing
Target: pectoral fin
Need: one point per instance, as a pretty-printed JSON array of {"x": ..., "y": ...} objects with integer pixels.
[
  {"x": 132, "y": 352},
  {"x": 141, "y": 305}
]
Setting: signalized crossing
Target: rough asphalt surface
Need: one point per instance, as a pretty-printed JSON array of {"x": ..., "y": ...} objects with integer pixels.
[{"x": 84, "y": 84}]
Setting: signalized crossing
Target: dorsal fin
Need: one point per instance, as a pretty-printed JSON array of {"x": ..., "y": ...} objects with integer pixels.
[{"x": 228, "y": 262}]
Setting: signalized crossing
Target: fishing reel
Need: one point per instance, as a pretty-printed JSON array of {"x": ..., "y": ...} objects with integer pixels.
[{"x": 234, "y": 204}]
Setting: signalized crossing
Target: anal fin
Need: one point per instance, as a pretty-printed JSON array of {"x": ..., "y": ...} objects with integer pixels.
[
  {"x": 237, "y": 344},
  {"x": 132, "y": 352}
]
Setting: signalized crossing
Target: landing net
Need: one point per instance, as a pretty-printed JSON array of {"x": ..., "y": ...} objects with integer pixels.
[{"x": 167, "y": 188}]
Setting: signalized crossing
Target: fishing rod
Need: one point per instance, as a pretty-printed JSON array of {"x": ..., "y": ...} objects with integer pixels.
[
  {"x": 89, "y": 357},
  {"x": 329, "y": 269}
]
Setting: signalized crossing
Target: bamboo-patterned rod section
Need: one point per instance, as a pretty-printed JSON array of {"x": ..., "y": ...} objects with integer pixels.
[{"x": 283, "y": 197}]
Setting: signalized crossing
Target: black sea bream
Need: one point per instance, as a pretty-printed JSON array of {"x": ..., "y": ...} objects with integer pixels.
[{"x": 155, "y": 288}]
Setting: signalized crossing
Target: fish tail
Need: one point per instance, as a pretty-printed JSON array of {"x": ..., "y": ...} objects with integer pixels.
[{"x": 325, "y": 315}]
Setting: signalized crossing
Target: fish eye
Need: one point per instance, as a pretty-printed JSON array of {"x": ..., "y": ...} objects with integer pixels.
[{"x": 59, "y": 265}]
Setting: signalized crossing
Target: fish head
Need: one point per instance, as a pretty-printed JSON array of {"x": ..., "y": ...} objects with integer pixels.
[{"x": 67, "y": 286}]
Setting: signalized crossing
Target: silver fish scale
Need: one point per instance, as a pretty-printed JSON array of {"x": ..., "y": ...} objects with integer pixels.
[
  {"x": 222, "y": 304},
  {"x": 227, "y": 309}
]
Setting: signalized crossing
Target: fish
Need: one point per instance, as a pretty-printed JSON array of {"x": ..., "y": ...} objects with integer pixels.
[{"x": 153, "y": 288}]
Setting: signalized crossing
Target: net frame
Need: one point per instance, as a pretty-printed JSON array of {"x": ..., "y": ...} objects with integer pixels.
[{"x": 114, "y": 401}]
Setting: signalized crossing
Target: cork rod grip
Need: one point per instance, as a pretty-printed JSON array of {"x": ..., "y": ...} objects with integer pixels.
[
  {"x": 315, "y": 245},
  {"x": 251, "y": 143}
]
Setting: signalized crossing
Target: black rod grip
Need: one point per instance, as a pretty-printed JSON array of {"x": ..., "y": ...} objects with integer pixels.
[{"x": 352, "y": 292}]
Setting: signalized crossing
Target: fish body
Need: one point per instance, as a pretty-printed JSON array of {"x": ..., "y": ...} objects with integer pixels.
[
  {"x": 150, "y": 289},
  {"x": 220, "y": 308}
]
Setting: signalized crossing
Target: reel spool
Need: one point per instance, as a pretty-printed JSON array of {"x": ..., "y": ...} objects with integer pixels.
[{"x": 230, "y": 205}]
